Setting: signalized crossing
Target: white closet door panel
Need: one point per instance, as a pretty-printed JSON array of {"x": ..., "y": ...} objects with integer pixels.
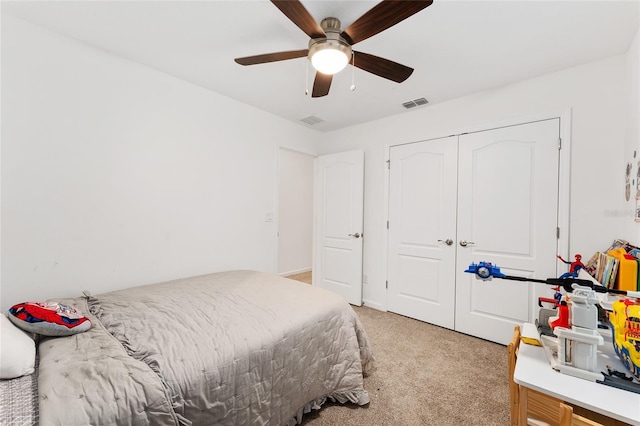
[
  {"x": 422, "y": 211},
  {"x": 507, "y": 212}
]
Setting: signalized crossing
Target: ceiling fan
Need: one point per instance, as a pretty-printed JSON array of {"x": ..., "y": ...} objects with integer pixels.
[{"x": 330, "y": 47}]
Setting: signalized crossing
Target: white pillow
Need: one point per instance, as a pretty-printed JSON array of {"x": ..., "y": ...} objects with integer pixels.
[{"x": 17, "y": 351}]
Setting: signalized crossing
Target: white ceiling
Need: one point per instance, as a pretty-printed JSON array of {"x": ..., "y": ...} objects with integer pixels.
[{"x": 455, "y": 47}]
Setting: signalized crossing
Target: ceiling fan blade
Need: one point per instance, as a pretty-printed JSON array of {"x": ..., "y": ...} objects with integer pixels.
[
  {"x": 382, "y": 67},
  {"x": 296, "y": 12},
  {"x": 382, "y": 16},
  {"x": 321, "y": 85},
  {"x": 272, "y": 57}
]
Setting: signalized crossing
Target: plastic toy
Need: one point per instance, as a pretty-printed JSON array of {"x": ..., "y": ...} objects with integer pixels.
[
  {"x": 485, "y": 270},
  {"x": 625, "y": 322},
  {"x": 578, "y": 337},
  {"x": 574, "y": 266},
  {"x": 562, "y": 319},
  {"x": 556, "y": 301},
  {"x": 576, "y": 326}
]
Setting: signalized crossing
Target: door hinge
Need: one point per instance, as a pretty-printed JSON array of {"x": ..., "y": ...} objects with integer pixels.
[
  {"x": 386, "y": 284},
  {"x": 559, "y": 143},
  {"x": 389, "y": 164},
  {"x": 557, "y": 232}
]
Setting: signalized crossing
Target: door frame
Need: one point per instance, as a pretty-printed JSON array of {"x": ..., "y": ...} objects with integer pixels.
[{"x": 564, "y": 176}]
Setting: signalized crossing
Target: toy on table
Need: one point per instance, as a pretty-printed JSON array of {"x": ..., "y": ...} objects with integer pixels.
[
  {"x": 578, "y": 336},
  {"x": 576, "y": 326},
  {"x": 618, "y": 379},
  {"x": 574, "y": 266},
  {"x": 559, "y": 300},
  {"x": 625, "y": 322},
  {"x": 562, "y": 319}
]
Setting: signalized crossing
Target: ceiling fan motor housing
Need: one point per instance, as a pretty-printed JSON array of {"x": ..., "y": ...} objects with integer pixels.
[
  {"x": 331, "y": 25},
  {"x": 333, "y": 44}
]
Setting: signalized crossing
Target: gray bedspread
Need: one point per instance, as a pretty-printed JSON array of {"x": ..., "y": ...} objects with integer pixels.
[{"x": 232, "y": 348}]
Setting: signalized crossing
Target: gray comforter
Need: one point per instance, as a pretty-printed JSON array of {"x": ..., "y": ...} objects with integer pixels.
[{"x": 233, "y": 348}]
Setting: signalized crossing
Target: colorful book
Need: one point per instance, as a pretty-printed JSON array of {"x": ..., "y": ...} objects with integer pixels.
[{"x": 592, "y": 264}]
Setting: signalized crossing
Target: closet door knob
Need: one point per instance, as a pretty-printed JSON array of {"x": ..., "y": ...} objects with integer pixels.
[
  {"x": 356, "y": 235},
  {"x": 465, "y": 243},
  {"x": 448, "y": 241}
]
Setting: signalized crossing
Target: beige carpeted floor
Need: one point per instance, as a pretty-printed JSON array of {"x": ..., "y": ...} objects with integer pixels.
[{"x": 425, "y": 375}]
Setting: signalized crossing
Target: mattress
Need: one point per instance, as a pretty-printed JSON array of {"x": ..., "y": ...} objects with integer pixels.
[{"x": 231, "y": 348}]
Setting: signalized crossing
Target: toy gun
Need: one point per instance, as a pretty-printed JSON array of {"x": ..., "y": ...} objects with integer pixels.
[{"x": 486, "y": 271}]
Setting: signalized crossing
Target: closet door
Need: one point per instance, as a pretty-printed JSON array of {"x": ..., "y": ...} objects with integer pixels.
[
  {"x": 422, "y": 217},
  {"x": 507, "y": 215}
]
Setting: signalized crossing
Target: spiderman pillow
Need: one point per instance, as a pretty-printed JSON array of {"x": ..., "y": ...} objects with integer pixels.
[{"x": 48, "y": 318}]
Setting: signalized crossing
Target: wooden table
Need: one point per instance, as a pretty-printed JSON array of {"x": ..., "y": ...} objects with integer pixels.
[{"x": 534, "y": 371}]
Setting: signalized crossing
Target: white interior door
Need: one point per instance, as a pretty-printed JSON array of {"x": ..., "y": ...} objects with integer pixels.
[
  {"x": 339, "y": 198},
  {"x": 507, "y": 215},
  {"x": 422, "y": 230}
]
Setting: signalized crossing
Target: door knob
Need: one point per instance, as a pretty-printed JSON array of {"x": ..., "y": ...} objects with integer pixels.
[
  {"x": 448, "y": 241},
  {"x": 465, "y": 243},
  {"x": 356, "y": 235}
]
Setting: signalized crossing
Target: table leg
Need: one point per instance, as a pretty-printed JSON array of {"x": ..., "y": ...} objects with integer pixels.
[{"x": 522, "y": 414}]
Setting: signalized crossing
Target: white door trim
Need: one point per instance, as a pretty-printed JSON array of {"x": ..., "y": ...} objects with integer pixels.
[{"x": 564, "y": 171}]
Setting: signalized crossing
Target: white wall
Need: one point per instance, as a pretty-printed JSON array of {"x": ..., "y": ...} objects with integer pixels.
[
  {"x": 295, "y": 212},
  {"x": 114, "y": 174},
  {"x": 594, "y": 92},
  {"x": 632, "y": 145}
]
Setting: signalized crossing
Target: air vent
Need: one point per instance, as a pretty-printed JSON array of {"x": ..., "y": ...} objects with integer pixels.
[
  {"x": 414, "y": 103},
  {"x": 311, "y": 120}
]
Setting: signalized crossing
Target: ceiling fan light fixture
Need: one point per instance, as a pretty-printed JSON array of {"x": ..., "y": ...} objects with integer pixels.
[{"x": 329, "y": 56}]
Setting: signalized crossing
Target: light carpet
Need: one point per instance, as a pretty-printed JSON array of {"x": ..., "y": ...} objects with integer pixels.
[{"x": 425, "y": 375}]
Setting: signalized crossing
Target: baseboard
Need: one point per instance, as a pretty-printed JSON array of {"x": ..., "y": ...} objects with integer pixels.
[
  {"x": 374, "y": 305},
  {"x": 294, "y": 272}
]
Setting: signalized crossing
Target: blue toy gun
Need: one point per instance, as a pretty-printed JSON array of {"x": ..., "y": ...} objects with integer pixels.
[{"x": 486, "y": 271}]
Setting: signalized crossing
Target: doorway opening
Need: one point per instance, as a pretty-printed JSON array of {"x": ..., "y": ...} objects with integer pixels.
[{"x": 295, "y": 215}]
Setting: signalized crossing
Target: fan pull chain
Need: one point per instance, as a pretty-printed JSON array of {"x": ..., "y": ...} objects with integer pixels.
[
  {"x": 353, "y": 71},
  {"x": 306, "y": 79}
]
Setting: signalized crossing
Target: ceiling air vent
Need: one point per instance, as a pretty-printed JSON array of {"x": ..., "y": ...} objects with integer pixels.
[
  {"x": 414, "y": 103},
  {"x": 311, "y": 120}
]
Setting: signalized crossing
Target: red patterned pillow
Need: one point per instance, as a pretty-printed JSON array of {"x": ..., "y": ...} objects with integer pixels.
[{"x": 48, "y": 318}]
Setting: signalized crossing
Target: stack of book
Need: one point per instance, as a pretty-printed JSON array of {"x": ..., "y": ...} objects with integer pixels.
[{"x": 616, "y": 267}]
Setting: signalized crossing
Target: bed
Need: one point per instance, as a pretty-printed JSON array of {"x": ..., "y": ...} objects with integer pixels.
[{"x": 231, "y": 348}]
